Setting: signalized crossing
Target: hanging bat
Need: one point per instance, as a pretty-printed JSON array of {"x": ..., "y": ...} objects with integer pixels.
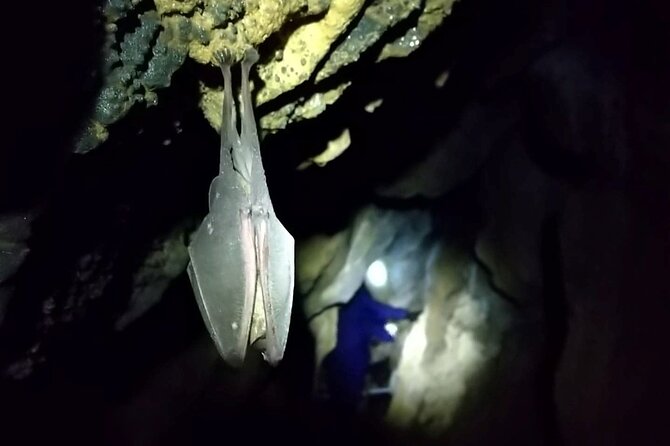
[{"x": 242, "y": 257}]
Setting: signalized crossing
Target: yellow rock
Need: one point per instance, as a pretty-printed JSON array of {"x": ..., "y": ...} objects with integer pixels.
[
  {"x": 172, "y": 6},
  {"x": 334, "y": 149},
  {"x": 211, "y": 101},
  {"x": 305, "y": 48},
  {"x": 261, "y": 19},
  {"x": 302, "y": 109}
]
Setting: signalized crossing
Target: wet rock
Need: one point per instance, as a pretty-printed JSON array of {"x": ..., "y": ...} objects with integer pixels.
[
  {"x": 166, "y": 260},
  {"x": 448, "y": 352},
  {"x": 144, "y": 60},
  {"x": 378, "y": 18},
  {"x": 144, "y": 48},
  {"x": 457, "y": 156},
  {"x": 518, "y": 198},
  {"x": 14, "y": 234},
  {"x": 345, "y": 258},
  {"x": 432, "y": 16}
]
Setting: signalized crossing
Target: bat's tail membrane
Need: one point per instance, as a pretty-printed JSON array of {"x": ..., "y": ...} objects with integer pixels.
[
  {"x": 278, "y": 295},
  {"x": 223, "y": 272}
]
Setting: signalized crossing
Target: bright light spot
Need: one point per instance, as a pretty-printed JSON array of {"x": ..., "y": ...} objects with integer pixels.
[
  {"x": 391, "y": 328},
  {"x": 377, "y": 274}
]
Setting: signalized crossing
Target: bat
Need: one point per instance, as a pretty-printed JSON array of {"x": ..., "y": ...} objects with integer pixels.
[{"x": 242, "y": 259}]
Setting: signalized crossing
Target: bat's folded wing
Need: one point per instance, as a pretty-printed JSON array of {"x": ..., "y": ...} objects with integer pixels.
[
  {"x": 223, "y": 268},
  {"x": 281, "y": 255}
]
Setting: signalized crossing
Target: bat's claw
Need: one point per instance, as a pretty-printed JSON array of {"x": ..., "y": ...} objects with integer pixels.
[{"x": 224, "y": 57}]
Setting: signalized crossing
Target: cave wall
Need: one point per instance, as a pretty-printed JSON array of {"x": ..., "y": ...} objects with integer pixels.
[
  {"x": 562, "y": 143},
  {"x": 555, "y": 120}
]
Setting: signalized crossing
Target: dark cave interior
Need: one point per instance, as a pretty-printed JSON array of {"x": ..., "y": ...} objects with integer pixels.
[{"x": 575, "y": 76}]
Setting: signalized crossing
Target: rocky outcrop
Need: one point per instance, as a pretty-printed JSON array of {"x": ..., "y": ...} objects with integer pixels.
[{"x": 307, "y": 42}]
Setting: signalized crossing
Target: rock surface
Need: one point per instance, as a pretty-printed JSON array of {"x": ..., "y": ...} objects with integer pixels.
[
  {"x": 515, "y": 187},
  {"x": 309, "y": 41}
]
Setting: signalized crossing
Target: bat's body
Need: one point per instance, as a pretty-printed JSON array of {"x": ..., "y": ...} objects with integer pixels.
[{"x": 242, "y": 258}]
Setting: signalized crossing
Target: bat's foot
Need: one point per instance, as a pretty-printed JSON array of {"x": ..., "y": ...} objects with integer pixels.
[
  {"x": 224, "y": 58},
  {"x": 250, "y": 56}
]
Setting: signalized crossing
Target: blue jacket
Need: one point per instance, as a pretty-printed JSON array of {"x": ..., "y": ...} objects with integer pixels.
[{"x": 361, "y": 321}]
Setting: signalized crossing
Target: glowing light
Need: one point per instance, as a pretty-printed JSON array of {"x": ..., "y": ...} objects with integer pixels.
[
  {"x": 377, "y": 274},
  {"x": 391, "y": 328}
]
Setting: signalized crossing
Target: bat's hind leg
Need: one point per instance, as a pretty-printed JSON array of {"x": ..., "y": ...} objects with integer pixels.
[
  {"x": 249, "y": 133},
  {"x": 229, "y": 135}
]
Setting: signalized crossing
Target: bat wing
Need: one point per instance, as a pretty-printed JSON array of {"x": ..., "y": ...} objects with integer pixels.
[
  {"x": 278, "y": 297},
  {"x": 241, "y": 247},
  {"x": 223, "y": 267}
]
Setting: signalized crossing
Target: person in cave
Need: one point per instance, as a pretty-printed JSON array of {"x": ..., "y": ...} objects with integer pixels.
[{"x": 361, "y": 322}]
